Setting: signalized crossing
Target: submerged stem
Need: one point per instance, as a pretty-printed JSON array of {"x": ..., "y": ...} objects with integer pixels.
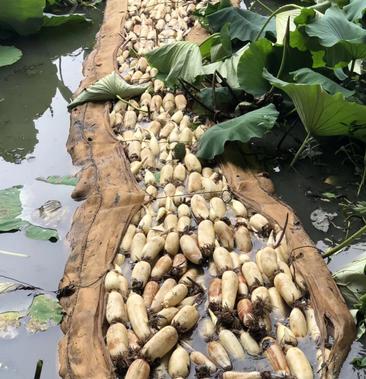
[
  {"x": 301, "y": 149},
  {"x": 345, "y": 242}
]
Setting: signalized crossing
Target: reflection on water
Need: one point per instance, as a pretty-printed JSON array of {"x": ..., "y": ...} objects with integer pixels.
[
  {"x": 29, "y": 86},
  {"x": 34, "y": 125}
]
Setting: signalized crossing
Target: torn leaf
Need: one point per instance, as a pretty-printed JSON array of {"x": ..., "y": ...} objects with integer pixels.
[{"x": 43, "y": 313}]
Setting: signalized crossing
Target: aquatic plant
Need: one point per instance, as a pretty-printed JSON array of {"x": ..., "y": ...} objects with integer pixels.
[{"x": 25, "y": 17}]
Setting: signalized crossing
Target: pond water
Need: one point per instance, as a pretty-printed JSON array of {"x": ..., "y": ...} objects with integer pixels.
[
  {"x": 34, "y": 125},
  {"x": 298, "y": 188},
  {"x": 301, "y": 187}
]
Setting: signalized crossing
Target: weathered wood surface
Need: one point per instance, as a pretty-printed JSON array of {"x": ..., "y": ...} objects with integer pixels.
[
  {"x": 257, "y": 192},
  {"x": 111, "y": 198}
]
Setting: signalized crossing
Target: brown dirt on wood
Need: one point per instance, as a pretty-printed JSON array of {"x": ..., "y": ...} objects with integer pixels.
[{"x": 111, "y": 198}]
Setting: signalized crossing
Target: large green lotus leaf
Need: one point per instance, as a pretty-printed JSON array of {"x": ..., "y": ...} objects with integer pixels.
[
  {"x": 355, "y": 10},
  {"x": 108, "y": 88},
  {"x": 323, "y": 114},
  {"x": 178, "y": 60},
  {"x": 244, "y": 24},
  {"x": 334, "y": 27},
  {"x": 43, "y": 313},
  {"x": 339, "y": 56},
  {"x": 253, "y": 124},
  {"x": 227, "y": 68},
  {"x": 308, "y": 76},
  {"x": 343, "y": 40},
  {"x": 250, "y": 67},
  {"x": 53, "y": 20},
  {"x": 332, "y": 40},
  {"x": 9, "y": 55},
  {"x": 22, "y": 16}
]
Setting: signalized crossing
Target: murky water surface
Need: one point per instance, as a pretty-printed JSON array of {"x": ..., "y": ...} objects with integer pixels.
[
  {"x": 301, "y": 187},
  {"x": 34, "y": 125}
]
